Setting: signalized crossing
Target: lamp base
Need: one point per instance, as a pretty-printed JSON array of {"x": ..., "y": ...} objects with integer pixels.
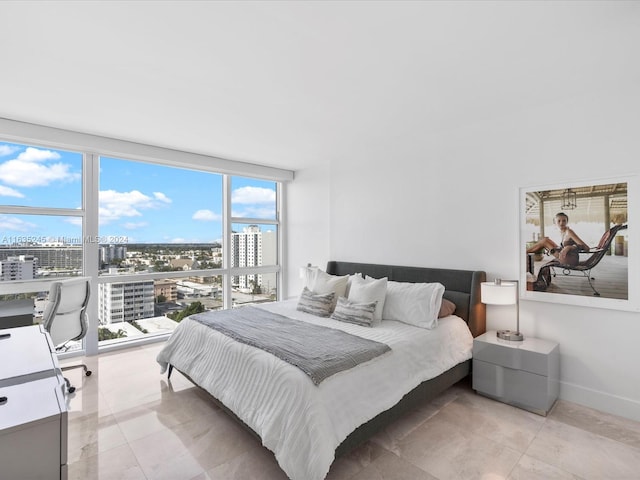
[{"x": 510, "y": 335}]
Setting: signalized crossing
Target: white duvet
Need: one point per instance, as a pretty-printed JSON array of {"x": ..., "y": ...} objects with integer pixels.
[{"x": 300, "y": 422}]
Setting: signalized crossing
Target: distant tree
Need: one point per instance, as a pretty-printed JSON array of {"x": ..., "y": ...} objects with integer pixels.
[
  {"x": 106, "y": 334},
  {"x": 161, "y": 299},
  {"x": 195, "y": 307},
  {"x": 137, "y": 325},
  {"x": 256, "y": 288}
]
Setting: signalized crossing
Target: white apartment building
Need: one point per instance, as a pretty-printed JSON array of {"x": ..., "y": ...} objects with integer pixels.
[
  {"x": 109, "y": 253},
  {"x": 246, "y": 251},
  {"x": 21, "y": 267},
  {"x": 250, "y": 248},
  {"x": 125, "y": 301}
]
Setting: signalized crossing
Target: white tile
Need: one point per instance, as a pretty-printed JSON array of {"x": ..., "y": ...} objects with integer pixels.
[
  {"x": 585, "y": 454},
  {"x": 127, "y": 421}
]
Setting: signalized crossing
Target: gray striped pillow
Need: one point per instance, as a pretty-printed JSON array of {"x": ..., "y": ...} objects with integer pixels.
[
  {"x": 353, "y": 312},
  {"x": 316, "y": 304}
]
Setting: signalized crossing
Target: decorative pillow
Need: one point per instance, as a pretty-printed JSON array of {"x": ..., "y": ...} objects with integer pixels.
[
  {"x": 413, "y": 303},
  {"x": 366, "y": 290},
  {"x": 325, "y": 283},
  {"x": 352, "y": 312},
  {"x": 447, "y": 308},
  {"x": 320, "y": 305}
]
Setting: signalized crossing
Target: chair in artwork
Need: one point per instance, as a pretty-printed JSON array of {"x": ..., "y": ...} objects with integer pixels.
[
  {"x": 65, "y": 316},
  {"x": 584, "y": 267}
]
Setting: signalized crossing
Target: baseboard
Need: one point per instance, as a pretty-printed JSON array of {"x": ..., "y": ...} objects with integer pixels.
[{"x": 605, "y": 402}]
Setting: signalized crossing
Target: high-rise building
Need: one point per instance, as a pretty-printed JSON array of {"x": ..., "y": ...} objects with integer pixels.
[
  {"x": 21, "y": 267},
  {"x": 246, "y": 251},
  {"x": 108, "y": 253},
  {"x": 269, "y": 257},
  {"x": 125, "y": 301},
  {"x": 49, "y": 256}
]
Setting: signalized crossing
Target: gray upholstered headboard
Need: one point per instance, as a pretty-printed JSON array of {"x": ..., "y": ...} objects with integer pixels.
[{"x": 462, "y": 287}]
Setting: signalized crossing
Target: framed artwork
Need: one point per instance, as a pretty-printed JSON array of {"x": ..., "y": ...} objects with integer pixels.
[{"x": 577, "y": 243}]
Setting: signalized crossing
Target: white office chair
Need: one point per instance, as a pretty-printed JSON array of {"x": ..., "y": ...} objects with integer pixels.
[{"x": 65, "y": 316}]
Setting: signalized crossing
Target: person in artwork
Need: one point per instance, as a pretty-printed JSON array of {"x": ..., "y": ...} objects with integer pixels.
[{"x": 570, "y": 243}]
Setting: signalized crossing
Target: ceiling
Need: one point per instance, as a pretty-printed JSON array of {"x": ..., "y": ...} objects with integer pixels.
[{"x": 290, "y": 84}]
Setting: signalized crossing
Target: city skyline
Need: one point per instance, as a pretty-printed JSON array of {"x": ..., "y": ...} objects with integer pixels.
[{"x": 137, "y": 200}]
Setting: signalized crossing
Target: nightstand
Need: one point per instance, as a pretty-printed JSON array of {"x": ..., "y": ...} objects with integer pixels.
[{"x": 525, "y": 374}]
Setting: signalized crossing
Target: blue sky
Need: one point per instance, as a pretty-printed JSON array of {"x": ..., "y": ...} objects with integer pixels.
[{"x": 138, "y": 201}]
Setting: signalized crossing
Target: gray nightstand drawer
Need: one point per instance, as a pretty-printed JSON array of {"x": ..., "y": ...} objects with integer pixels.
[
  {"x": 515, "y": 387},
  {"x": 525, "y": 374},
  {"x": 517, "y": 355}
]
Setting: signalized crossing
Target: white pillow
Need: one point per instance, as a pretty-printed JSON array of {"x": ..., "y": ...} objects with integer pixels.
[
  {"x": 325, "y": 283},
  {"x": 365, "y": 290},
  {"x": 346, "y": 292},
  {"x": 413, "y": 303}
]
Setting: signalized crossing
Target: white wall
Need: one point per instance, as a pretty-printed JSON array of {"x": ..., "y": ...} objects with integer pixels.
[
  {"x": 447, "y": 196},
  {"x": 307, "y": 208},
  {"x": 451, "y": 200}
]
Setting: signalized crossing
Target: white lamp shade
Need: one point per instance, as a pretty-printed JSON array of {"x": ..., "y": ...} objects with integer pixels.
[
  {"x": 504, "y": 293},
  {"x": 308, "y": 275}
]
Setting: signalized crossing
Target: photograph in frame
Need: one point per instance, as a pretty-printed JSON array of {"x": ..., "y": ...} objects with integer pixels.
[{"x": 576, "y": 246}]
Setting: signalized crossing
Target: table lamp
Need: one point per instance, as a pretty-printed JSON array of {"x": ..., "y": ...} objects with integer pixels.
[
  {"x": 308, "y": 274},
  {"x": 503, "y": 292}
]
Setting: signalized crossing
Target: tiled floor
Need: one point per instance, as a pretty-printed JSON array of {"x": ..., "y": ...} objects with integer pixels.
[{"x": 127, "y": 421}]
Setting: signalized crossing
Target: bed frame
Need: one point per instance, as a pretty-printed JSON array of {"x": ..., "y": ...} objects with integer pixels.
[{"x": 462, "y": 287}]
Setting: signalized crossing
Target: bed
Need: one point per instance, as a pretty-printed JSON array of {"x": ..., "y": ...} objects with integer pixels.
[{"x": 306, "y": 425}]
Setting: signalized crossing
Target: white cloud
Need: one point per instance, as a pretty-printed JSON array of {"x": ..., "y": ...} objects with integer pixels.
[
  {"x": 7, "y": 150},
  {"x": 255, "y": 212},
  {"x": 36, "y": 155},
  {"x": 9, "y": 192},
  {"x": 115, "y": 205},
  {"x": 161, "y": 197},
  {"x": 134, "y": 225},
  {"x": 29, "y": 170},
  {"x": 250, "y": 195},
  {"x": 32, "y": 174},
  {"x": 206, "y": 216},
  {"x": 15, "y": 224}
]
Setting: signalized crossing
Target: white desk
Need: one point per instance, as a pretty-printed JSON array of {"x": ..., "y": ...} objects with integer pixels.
[
  {"x": 16, "y": 313},
  {"x": 33, "y": 412}
]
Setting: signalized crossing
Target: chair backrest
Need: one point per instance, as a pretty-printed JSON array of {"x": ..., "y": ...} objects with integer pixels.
[
  {"x": 607, "y": 238},
  {"x": 603, "y": 246},
  {"x": 65, "y": 316}
]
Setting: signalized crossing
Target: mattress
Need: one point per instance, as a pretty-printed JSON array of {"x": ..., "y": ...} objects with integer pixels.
[{"x": 301, "y": 423}]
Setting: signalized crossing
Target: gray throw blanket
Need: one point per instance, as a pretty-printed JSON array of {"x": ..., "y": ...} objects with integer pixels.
[{"x": 318, "y": 351}]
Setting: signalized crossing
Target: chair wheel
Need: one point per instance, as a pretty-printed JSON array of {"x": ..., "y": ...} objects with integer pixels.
[
  {"x": 71, "y": 389},
  {"x": 88, "y": 373}
]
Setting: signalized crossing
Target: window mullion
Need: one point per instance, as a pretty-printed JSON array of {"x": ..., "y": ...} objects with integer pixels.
[
  {"x": 91, "y": 192},
  {"x": 226, "y": 240}
]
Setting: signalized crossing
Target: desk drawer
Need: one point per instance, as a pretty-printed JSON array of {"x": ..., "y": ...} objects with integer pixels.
[{"x": 33, "y": 431}]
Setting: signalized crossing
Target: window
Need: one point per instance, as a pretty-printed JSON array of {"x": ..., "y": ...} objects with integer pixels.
[
  {"x": 161, "y": 233},
  {"x": 156, "y": 218},
  {"x": 254, "y": 240},
  {"x": 40, "y": 212}
]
